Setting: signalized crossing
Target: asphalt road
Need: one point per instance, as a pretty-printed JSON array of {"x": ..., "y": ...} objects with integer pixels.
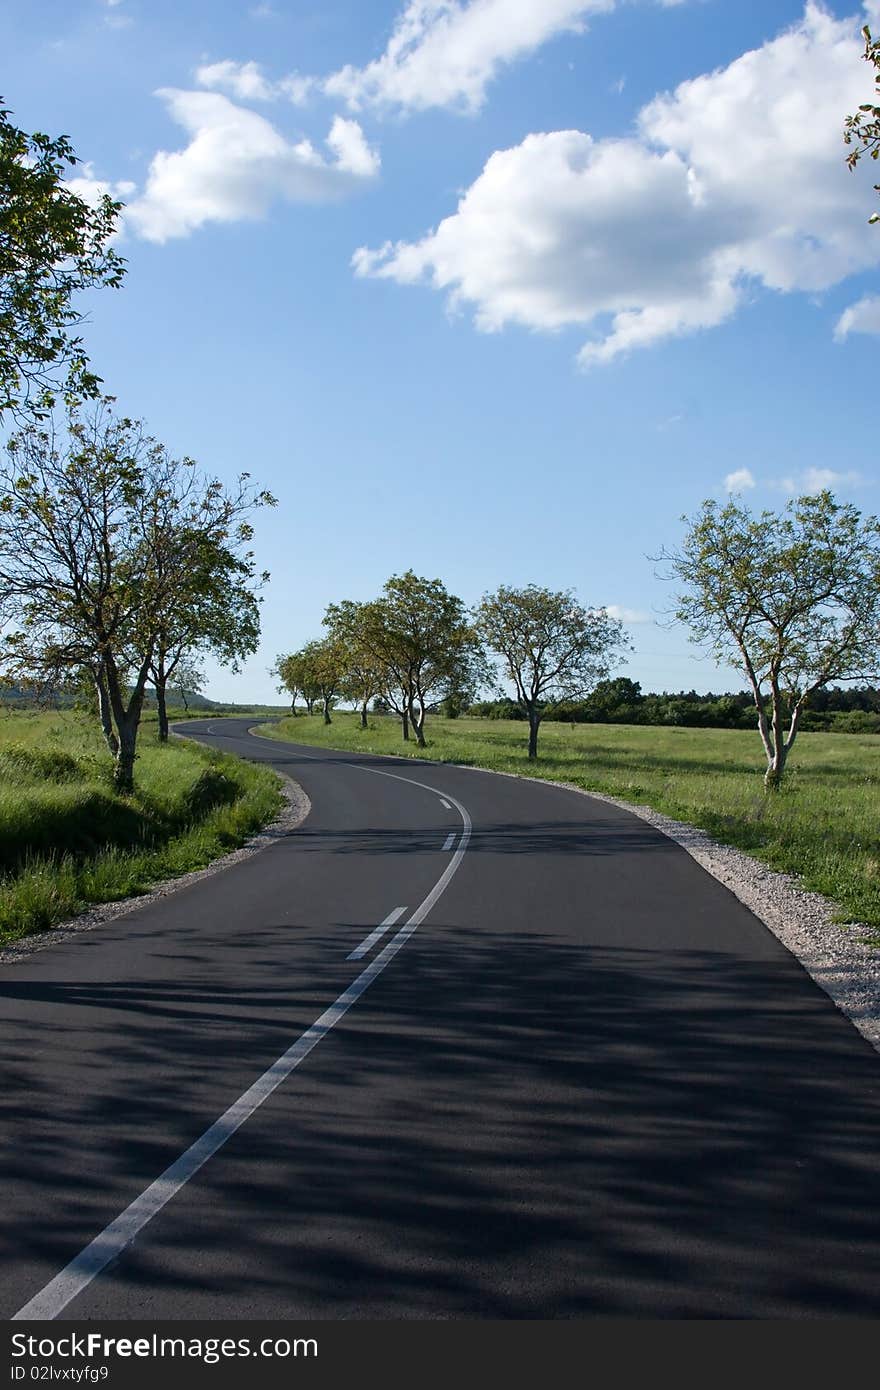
[{"x": 588, "y": 1082}]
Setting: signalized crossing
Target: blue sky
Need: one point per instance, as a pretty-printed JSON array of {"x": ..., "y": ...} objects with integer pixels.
[{"x": 492, "y": 289}]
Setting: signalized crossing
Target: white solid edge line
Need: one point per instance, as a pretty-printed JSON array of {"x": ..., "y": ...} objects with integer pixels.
[
  {"x": 376, "y": 934},
  {"x": 447, "y": 843},
  {"x": 54, "y": 1297}
]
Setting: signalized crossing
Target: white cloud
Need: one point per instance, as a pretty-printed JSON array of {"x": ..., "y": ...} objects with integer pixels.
[
  {"x": 441, "y": 53},
  {"x": 810, "y": 480},
  {"x": 445, "y": 52},
  {"x": 91, "y": 189},
  {"x": 863, "y": 317},
  {"x": 248, "y": 82},
  {"x": 739, "y": 480},
  {"x": 630, "y": 616},
  {"x": 236, "y": 164},
  {"x": 348, "y": 143},
  {"x": 735, "y": 179},
  {"x": 814, "y": 480},
  {"x": 242, "y": 80}
]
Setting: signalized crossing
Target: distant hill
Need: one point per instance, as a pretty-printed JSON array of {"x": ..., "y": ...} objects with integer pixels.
[{"x": 21, "y": 698}]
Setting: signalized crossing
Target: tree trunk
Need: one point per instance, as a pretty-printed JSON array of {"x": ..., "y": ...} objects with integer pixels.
[
  {"x": 327, "y": 719},
  {"x": 534, "y": 724},
  {"x": 104, "y": 709},
  {"x": 364, "y": 714},
  {"x": 162, "y": 710},
  {"x": 404, "y": 719},
  {"x": 310, "y": 704},
  {"x": 777, "y": 748},
  {"x": 123, "y": 773},
  {"x": 775, "y": 769},
  {"x": 293, "y": 706},
  {"x": 417, "y": 719},
  {"x": 127, "y": 720}
]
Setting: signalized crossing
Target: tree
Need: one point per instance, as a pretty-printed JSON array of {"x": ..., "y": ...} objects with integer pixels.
[
  {"x": 863, "y": 128},
  {"x": 93, "y": 522},
  {"x": 52, "y": 244},
  {"x": 551, "y": 647},
  {"x": 791, "y": 599},
  {"x": 298, "y": 671},
  {"x": 347, "y": 624},
  {"x": 420, "y": 638},
  {"x": 287, "y": 673},
  {"x": 74, "y": 507},
  {"x": 612, "y": 695},
  {"x": 206, "y": 599},
  {"x": 325, "y": 665}
]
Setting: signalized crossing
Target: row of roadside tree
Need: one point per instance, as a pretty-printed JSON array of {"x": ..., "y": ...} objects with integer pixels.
[
  {"x": 790, "y": 599},
  {"x": 416, "y": 646}
]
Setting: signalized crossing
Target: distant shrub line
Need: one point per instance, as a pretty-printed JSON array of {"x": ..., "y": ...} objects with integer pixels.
[{"x": 855, "y": 711}]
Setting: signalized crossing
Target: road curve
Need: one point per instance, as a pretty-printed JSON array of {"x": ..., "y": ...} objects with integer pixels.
[{"x": 534, "y": 1063}]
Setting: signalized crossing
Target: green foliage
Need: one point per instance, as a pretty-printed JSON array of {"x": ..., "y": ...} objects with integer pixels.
[
  {"x": 206, "y": 596},
  {"x": 318, "y": 671},
  {"x": 347, "y": 626},
  {"x": 116, "y": 557},
  {"x": 52, "y": 245},
  {"x": 792, "y": 599},
  {"x": 821, "y": 826},
  {"x": 420, "y": 638},
  {"x": 551, "y": 648},
  {"x": 862, "y": 129}
]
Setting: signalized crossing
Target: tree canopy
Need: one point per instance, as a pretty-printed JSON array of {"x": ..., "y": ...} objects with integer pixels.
[
  {"x": 551, "y": 647},
  {"x": 792, "y": 599},
  {"x": 53, "y": 243},
  {"x": 421, "y": 639},
  {"x": 106, "y": 543}
]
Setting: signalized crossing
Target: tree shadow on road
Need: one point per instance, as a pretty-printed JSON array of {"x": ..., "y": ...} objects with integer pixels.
[{"x": 506, "y": 1125}]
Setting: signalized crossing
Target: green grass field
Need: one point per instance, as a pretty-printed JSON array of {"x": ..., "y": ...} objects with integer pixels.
[
  {"x": 823, "y": 826},
  {"x": 68, "y": 840}
]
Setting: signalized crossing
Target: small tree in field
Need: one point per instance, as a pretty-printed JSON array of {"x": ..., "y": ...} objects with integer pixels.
[
  {"x": 296, "y": 671},
  {"x": 347, "y": 623},
  {"x": 205, "y": 598},
  {"x": 551, "y": 648},
  {"x": 791, "y": 599},
  {"x": 287, "y": 673},
  {"x": 105, "y": 552},
  {"x": 75, "y": 506},
  {"x": 322, "y": 672},
  {"x": 420, "y": 639}
]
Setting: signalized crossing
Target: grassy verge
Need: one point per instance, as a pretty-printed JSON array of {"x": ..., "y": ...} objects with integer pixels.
[
  {"x": 68, "y": 840},
  {"x": 822, "y": 826}
]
